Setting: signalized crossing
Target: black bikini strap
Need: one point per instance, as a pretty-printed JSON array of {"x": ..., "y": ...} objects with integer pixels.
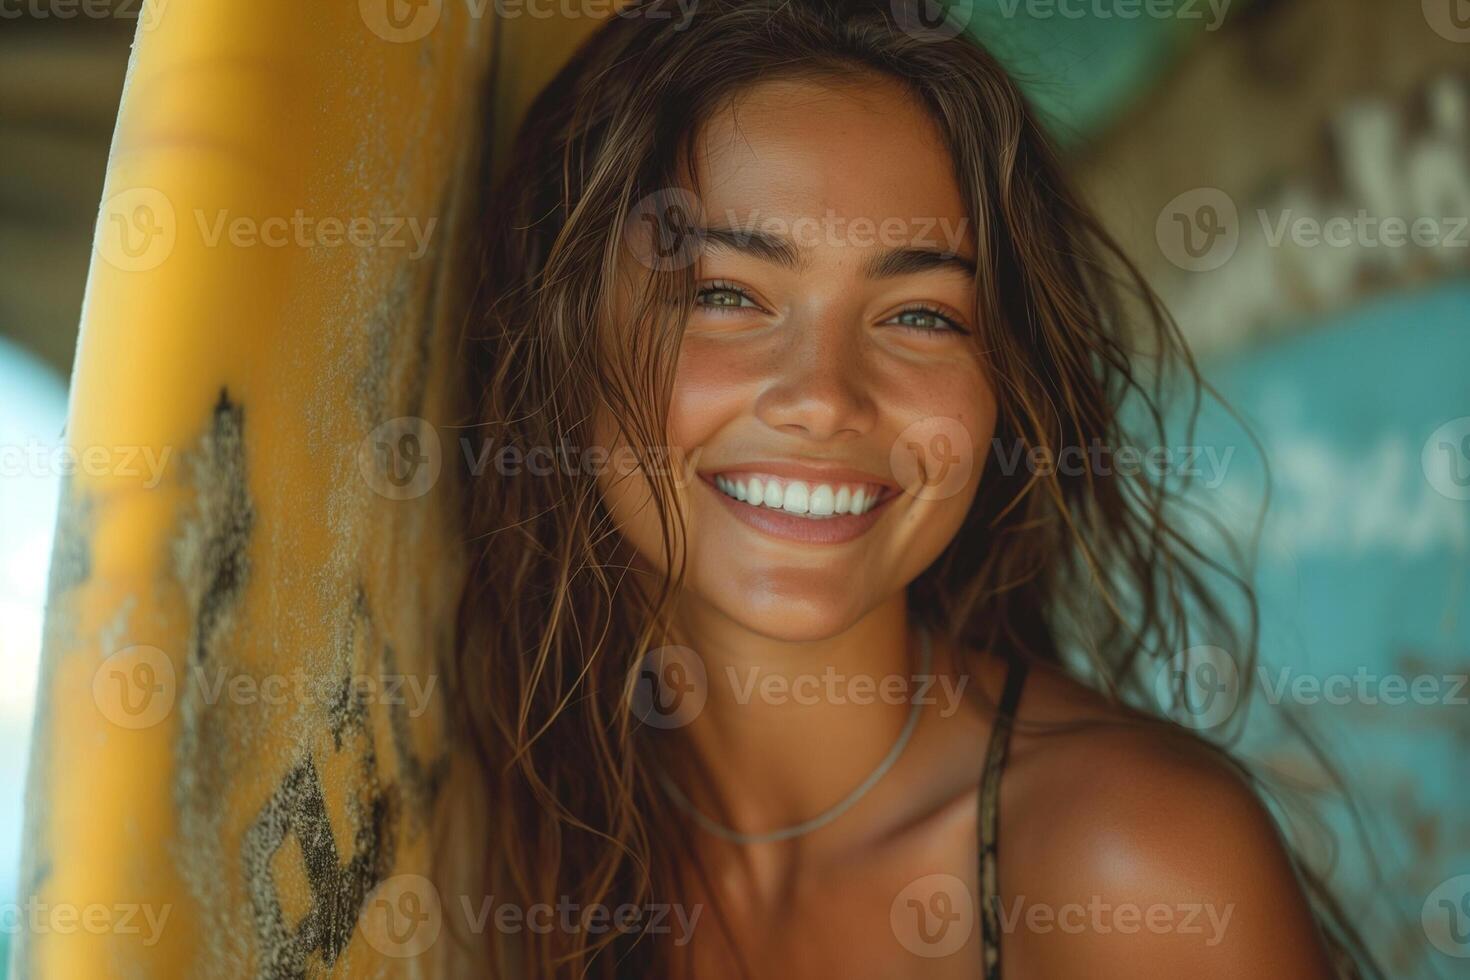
[{"x": 995, "y": 758}]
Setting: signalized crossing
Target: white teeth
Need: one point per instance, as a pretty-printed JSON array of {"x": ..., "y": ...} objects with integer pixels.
[
  {"x": 795, "y": 501},
  {"x": 798, "y": 497},
  {"x": 822, "y": 501}
]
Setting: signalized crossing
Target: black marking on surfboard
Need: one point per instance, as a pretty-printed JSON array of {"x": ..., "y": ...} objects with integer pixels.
[
  {"x": 428, "y": 322},
  {"x": 211, "y": 553},
  {"x": 298, "y": 809},
  {"x": 401, "y": 332},
  {"x": 422, "y": 780}
]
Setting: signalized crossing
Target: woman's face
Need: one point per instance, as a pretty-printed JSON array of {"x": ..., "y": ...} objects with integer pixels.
[{"x": 829, "y": 401}]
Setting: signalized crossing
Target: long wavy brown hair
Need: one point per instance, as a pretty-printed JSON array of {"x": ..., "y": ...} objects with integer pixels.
[{"x": 1083, "y": 569}]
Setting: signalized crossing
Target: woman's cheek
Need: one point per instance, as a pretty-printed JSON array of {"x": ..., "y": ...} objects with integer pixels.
[
  {"x": 713, "y": 384},
  {"x": 942, "y": 423}
]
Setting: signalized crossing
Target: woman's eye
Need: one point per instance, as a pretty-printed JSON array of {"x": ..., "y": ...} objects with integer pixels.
[
  {"x": 925, "y": 320},
  {"x": 724, "y": 297}
]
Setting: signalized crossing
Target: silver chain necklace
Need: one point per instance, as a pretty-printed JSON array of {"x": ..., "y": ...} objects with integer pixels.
[{"x": 833, "y": 812}]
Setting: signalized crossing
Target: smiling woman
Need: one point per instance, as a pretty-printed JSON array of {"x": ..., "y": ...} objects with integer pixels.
[
  {"x": 804, "y": 359},
  {"x": 640, "y": 648}
]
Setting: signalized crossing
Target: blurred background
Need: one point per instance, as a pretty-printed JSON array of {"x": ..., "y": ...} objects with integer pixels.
[{"x": 1294, "y": 178}]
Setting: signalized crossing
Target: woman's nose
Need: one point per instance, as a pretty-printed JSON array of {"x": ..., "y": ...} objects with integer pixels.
[{"x": 819, "y": 389}]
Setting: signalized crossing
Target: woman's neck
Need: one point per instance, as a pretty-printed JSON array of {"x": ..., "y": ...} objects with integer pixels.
[{"x": 788, "y": 729}]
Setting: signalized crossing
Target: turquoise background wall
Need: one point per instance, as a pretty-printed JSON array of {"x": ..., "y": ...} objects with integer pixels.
[{"x": 1364, "y": 583}]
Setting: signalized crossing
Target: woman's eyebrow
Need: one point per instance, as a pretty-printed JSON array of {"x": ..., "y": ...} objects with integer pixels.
[
  {"x": 898, "y": 261},
  {"x": 762, "y": 245},
  {"x": 909, "y": 259}
]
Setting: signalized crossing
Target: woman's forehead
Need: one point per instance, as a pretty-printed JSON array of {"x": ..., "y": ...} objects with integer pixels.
[{"x": 856, "y": 150}]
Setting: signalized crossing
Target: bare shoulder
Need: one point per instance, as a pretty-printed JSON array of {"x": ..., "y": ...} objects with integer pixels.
[{"x": 1135, "y": 849}]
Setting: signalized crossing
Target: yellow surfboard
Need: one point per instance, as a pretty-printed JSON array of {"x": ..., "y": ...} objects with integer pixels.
[{"x": 240, "y": 762}]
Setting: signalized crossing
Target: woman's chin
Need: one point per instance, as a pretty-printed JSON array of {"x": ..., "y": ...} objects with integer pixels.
[{"x": 811, "y": 613}]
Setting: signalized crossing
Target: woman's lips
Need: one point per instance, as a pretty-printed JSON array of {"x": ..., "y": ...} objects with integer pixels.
[{"x": 821, "y": 529}]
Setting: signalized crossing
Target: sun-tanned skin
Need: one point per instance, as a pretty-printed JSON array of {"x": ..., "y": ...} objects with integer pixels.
[{"x": 818, "y": 370}]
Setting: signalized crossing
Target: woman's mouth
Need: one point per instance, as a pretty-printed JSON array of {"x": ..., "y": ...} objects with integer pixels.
[
  {"x": 818, "y": 510},
  {"x": 813, "y": 500}
]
